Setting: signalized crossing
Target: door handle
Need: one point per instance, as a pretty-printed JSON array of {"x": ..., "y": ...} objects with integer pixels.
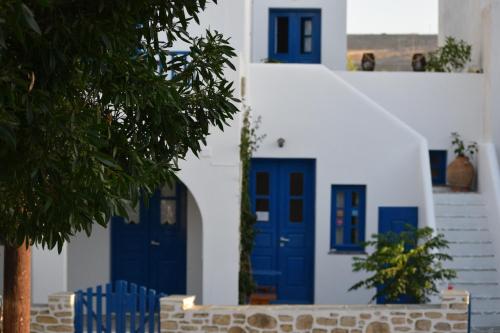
[
  {"x": 155, "y": 243},
  {"x": 284, "y": 239}
]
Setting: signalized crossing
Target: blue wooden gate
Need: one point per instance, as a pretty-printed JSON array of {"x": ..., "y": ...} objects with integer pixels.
[{"x": 120, "y": 308}]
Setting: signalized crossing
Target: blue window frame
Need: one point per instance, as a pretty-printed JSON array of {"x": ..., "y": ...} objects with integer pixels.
[
  {"x": 295, "y": 35},
  {"x": 348, "y": 215},
  {"x": 438, "y": 159}
]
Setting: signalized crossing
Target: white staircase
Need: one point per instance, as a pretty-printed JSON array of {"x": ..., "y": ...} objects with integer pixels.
[{"x": 462, "y": 218}]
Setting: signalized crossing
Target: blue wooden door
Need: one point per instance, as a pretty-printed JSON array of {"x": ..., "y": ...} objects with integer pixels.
[
  {"x": 397, "y": 220},
  {"x": 295, "y": 35},
  {"x": 150, "y": 248},
  {"x": 282, "y": 193}
]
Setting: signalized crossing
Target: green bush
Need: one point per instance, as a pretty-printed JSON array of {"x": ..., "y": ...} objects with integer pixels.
[{"x": 407, "y": 264}]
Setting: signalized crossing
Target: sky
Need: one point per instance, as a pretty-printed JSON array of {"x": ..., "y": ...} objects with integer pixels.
[{"x": 392, "y": 16}]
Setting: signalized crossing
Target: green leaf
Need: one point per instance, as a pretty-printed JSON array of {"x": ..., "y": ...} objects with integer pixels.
[{"x": 30, "y": 19}]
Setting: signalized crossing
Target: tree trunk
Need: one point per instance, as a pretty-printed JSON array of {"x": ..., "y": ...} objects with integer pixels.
[{"x": 17, "y": 290}]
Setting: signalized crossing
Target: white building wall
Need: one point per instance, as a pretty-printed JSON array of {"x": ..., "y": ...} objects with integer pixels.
[
  {"x": 433, "y": 104},
  {"x": 194, "y": 257},
  {"x": 462, "y": 19},
  {"x": 48, "y": 273},
  {"x": 89, "y": 259},
  {"x": 354, "y": 141},
  {"x": 333, "y": 28}
]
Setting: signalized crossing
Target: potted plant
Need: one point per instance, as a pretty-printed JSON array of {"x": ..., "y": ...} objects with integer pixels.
[
  {"x": 460, "y": 173},
  {"x": 453, "y": 56},
  {"x": 404, "y": 267}
]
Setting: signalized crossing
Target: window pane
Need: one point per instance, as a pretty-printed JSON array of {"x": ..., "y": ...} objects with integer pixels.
[
  {"x": 282, "y": 35},
  {"x": 296, "y": 183},
  {"x": 307, "y": 27},
  {"x": 355, "y": 199},
  {"x": 262, "y": 210},
  {"x": 262, "y": 180},
  {"x": 354, "y": 236},
  {"x": 340, "y": 199},
  {"x": 296, "y": 210},
  {"x": 133, "y": 215},
  {"x": 307, "y": 45},
  {"x": 262, "y": 205},
  {"x": 168, "y": 191},
  {"x": 339, "y": 235},
  {"x": 168, "y": 212},
  {"x": 354, "y": 219}
]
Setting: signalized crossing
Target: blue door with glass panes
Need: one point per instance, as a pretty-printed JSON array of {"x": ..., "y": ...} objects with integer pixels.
[
  {"x": 149, "y": 248},
  {"x": 282, "y": 195},
  {"x": 397, "y": 220},
  {"x": 295, "y": 35}
]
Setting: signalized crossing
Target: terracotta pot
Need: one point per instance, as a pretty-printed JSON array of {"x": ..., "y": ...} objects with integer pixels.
[{"x": 460, "y": 174}]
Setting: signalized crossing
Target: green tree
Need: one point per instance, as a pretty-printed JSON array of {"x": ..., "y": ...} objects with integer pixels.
[
  {"x": 406, "y": 264},
  {"x": 88, "y": 122}
]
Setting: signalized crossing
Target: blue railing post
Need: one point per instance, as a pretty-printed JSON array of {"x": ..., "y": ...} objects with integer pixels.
[
  {"x": 109, "y": 307},
  {"x": 142, "y": 309},
  {"x": 79, "y": 311},
  {"x": 469, "y": 314},
  {"x": 98, "y": 310},
  {"x": 152, "y": 303}
]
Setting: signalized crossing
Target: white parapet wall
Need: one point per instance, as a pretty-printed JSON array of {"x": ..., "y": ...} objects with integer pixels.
[{"x": 179, "y": 314}]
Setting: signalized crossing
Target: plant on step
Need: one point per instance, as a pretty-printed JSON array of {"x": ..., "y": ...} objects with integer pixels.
[
  {"x": 451, "y": 57},
  {"x": 88, "y": 122},
  {"x": 406, "y": 265},
  {"x": 459, "y": 147},
  {"x": 248, "y": 145},
  {"x": 460, "y": 173}
]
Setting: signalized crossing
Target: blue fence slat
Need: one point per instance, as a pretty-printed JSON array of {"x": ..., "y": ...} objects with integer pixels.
[
  {"x": 98, "y": 310},
  {"x": 120, "y": 308},
  {"x": 79, "y": 311},
  {"x": 142, "y": 309},
  {"x": 109, "y": 307},
  {"x": 152, "y": 303},
  {"x": 132, "y": 306},
  {"x": 90, "y": 303}
]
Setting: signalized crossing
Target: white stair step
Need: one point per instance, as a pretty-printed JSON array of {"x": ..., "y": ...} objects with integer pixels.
[
  {"x": 476, "y": 276},
  {"x": 472, "y": 247},
  {"x": 469, "y": 233},
  {"x": 463, "y": 223},
  {"x": 458, "y": 198},
  {"x": 459, "y": 209},
  {"x": 486, "y": 320},
  {"x": 472, "y": 262}
]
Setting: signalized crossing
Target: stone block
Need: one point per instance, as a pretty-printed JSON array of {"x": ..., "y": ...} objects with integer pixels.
[
  {"x": 349, "y": 321},
  {"x": 324, "y": 321},
  {"x": 261, "y": 320},
  {"x": 304, "y": 322},
  {"x": 442, "y": 326},
  {"x": 423, "y": 325},
  {"x": 222, "y": 320},
  {"x": 377, "y": 327}
]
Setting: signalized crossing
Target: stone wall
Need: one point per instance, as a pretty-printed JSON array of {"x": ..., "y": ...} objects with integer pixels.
[
  {"x": 57, "y": 316},
  {"x": 179, "y": 314}
]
